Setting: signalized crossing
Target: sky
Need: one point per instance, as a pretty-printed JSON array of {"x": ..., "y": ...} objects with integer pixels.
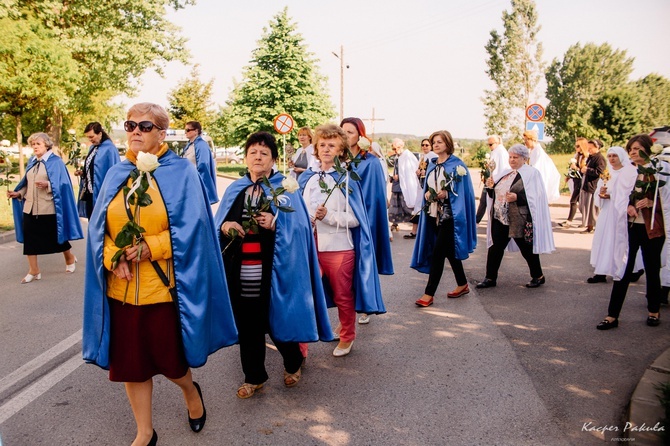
[{"x": 420, "y": 65}]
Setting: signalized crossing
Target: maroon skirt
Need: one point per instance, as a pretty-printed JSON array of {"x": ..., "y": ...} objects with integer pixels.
[{"x": 145, "y": 340}]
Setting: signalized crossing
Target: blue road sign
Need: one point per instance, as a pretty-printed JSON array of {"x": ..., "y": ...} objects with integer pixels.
[{"x": 538, "y": 127}]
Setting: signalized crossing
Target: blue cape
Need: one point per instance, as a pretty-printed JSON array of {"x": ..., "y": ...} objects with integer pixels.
[
  {"x": 67, "y": 218},
  {"x": 206, "y": 166},
  {"x": 205, "y": 313},
  {"x": 367, "y": 289},
  {"x": 373, "y": 184},
  {"x": 106, "y": 156},
  {"x": 465, "y": 225},
  {"x": 298, "y": 309}
]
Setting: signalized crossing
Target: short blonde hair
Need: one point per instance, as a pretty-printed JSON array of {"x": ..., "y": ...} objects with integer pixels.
[
  {"x": 308, "y": 132},
  {"x": 530, "y": 134},
  {"x": 44, "y": 137},
  {"x": 158, "y": 114},
  {"x": 330, "y": 131}
]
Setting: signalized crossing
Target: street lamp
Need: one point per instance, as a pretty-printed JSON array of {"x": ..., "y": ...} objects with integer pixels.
[{"x": 342, "y": 65}]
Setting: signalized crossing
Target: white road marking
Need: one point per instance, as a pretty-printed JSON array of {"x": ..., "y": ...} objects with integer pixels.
[
  {"x": 28, "y": 368},
  {"x": 34, "y": 391}
]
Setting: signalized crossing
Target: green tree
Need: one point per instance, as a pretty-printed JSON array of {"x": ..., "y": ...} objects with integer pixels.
[
  {"x": 113, "y": 43},
  {"x": 573, "y": 86},
  {"x": 282, "y": 78},
  {"x": 654, "y": 101},
  {"x": 191, "y": 100},
  {"x": 617, "y": 115},
  {"x": 37, "y": 74},
  {"x": 515, "y": 67}
]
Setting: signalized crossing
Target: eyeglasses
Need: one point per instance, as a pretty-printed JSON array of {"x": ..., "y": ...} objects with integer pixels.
[
  {"x": 145, "y": 126},
  {"x": 188, "y": 130}
]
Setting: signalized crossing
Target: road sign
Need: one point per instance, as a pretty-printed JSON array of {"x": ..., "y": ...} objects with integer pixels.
[
  {"x": 538, "y": 127},
  {"x": 535, "y": 112},
  {"x": 283, "y": 123}
]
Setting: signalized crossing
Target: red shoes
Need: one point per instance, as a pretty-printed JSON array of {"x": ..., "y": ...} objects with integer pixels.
[
  {"x": 424, "y": 303},
  {"x": 455, "y": 293}
]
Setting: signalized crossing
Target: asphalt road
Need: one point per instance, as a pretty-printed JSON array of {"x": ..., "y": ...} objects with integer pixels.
[{"x": 503, "y": 366}]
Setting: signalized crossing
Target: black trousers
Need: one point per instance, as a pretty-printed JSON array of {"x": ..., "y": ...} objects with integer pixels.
[
  {"x": 574, "y": 198},
  {"x": 251, "y": 317},
  {"x": 481, "y": 209},
  {"x": 651, "y": 257},
  {"x": 500, "y": 236},
  {"x": 445, "y": 247}
]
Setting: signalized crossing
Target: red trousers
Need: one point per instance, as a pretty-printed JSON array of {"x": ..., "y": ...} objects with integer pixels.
[{"x": 338, "y": 268}]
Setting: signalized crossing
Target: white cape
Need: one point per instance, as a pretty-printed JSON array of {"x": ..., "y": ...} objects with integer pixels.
[
  {"x": 609, "y": 252},
  {"x": 543, "y": 236},
  {"x": 409, "y": 183},
  {"x": 550, "y": 175}
]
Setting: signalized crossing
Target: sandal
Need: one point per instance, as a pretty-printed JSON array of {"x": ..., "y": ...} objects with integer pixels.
[
  {"x": 247, "y": 390},
  {"x": 292, "y": 379}
]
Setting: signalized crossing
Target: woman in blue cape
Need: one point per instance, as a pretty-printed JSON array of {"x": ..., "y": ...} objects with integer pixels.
[
  {"x": 102, "y": 155},
  {"x": 162, "y": 306},
  {"x": 45, "y": 213},
  {"x": 197, "y": 151},
  {"x": 373, "y": 185},
  {"x": 271, "y": 264},
  {"x": 447, "y": 228},
  {"x": 344, "y": 243}
]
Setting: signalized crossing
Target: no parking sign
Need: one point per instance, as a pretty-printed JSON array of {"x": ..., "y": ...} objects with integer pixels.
[{"x": 283, "y": 123}]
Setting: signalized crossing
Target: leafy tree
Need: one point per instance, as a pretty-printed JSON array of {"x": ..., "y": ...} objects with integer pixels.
[
  {"x": 617, "y": 115},
  {"x": 113, "y": 43},
  {"x": 514, "y": 66},
  {"x": 654, "y": 101},
  {"x": 191, "y": 100},
  {"x": 30, "y": 61},
  {"x": 282, "y": 77},
  {"x": 575, "y": 83}
]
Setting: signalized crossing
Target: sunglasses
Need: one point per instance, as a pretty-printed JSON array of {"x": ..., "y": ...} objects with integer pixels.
[
  {"x": 145, "y": 126},
  {"x": 188, "y": 130},
  {"x": 425, "y": 145},
  {"x": 491, "y": 144}
]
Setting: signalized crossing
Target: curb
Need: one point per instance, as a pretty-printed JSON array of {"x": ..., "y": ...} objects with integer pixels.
[
  {"x": 645, "y": 409},
  {"x": 7, "y": 236}
]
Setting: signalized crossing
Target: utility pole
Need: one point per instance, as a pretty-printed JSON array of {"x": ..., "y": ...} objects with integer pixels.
[
  {"x": 341, "y": 57},
  {"x": 372, "y": 121}
]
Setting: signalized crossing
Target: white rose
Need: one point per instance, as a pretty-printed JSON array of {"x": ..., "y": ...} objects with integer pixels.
[
  {"x": 290, "y": 184},
  {"x": 83, "y": 146},
  {"x": 363, "y": 143},
  {"x": 72, "y": 132},
  {"x": 460, "y": 170},
  {"x": 656, "y": 149},
  {"x": 487, "y": 156},
  {"x": 573, "y": 161},
  {"x": 147, "y": 162}
]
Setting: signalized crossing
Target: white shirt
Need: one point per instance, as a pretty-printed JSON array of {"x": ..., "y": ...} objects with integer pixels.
[{"x": 333, "y": 233}]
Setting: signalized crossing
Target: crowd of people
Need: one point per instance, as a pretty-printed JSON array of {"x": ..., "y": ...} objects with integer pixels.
[{"x": 281, "y": 250}]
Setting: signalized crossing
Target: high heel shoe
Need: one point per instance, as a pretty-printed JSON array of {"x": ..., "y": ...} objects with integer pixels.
[
  {"x": 71, "y": 267},
  {"x": 198, "y": 423},
  {"x": 154, "y": 440},
  {"x": 30, "y": 277}
]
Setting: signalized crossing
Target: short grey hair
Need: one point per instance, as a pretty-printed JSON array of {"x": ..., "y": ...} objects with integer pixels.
[
  {"x": 48, "y": 143},
  {"x": 399, "y": 142},
  {"x": 521, "y": 150}
]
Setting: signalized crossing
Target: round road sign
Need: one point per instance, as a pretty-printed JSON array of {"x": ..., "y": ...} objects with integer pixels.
[
  {"x": 535, "y": 112},
  {"x": 283, "y": 123}
]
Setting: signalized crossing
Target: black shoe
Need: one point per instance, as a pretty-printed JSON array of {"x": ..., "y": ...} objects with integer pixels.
[
  {"x": 154, "y": 439},
  {"x": 198, "y": 423},
  {"x": 534, "y": 283},
  {"x": 653, "y": 321},
  {"x": 486, "y": 283},
  {"x": 606, "y": 325},
  {"x": 411, "y": 235},
  {"x": 598, "y": 278},
  {"x": 634, "y": 277}
]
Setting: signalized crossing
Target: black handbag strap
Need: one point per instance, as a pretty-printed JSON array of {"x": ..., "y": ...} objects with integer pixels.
[{"x": 164, "y": 279}]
